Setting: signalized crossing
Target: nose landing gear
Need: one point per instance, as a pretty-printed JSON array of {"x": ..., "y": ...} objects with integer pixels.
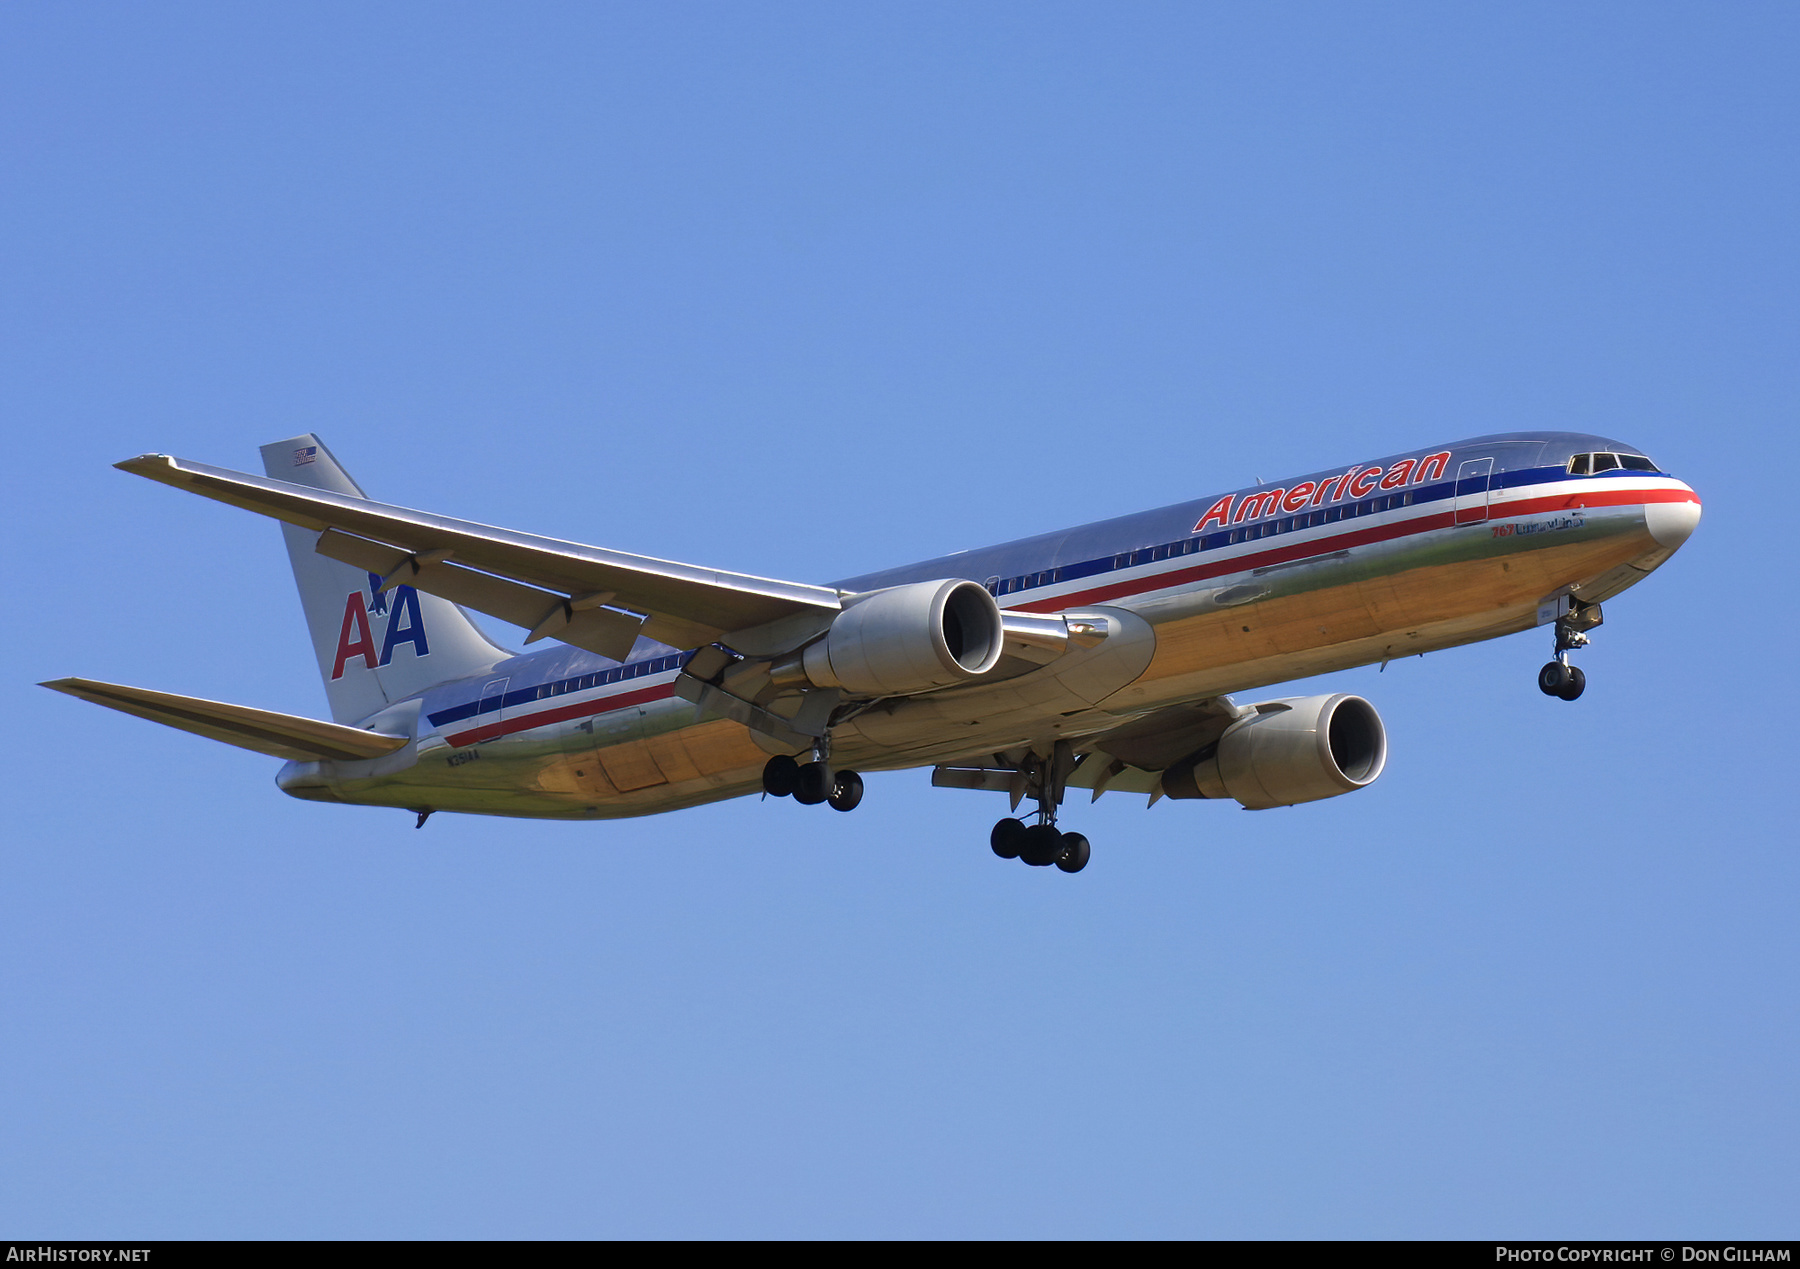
[{"x": 1558, "y": 678}]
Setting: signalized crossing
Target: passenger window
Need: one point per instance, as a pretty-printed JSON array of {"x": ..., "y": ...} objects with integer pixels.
[
  {"x": 1578, "y": 465},
  {"x": 1636, "y": 462},
  {"x": 1605, "y": 462}
]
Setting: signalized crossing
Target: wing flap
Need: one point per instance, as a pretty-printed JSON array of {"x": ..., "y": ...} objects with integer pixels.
[
  {"x": 263, "y": 731},
  {"x": 686, "y": 605},
  {"x": 602, "y": 630},
  {"x": 1160, "y": 739}
]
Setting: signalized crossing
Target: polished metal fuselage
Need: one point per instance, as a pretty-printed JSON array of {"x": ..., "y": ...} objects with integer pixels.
[{"x": 1346, "y": 573}]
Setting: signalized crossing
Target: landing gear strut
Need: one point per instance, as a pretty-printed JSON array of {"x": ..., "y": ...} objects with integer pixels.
[
  {"x": 1042, "y": 844},
  {"x": 1559, "y": 678}
]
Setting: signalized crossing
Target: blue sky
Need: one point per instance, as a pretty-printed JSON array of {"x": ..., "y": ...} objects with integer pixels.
[{"x": 810, "y": 290}]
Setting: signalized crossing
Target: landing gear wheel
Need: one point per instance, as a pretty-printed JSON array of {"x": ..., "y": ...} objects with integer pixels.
[
  {"x": 847, "y": 793},
  {"x": 814, "y": 784},
  {"x": 1074, "y": 855},
  {"x": 1040, "y": 845},
  {"x": 781, "y": 776},
  {"x": 1007, "y": 837},
  {"x": 1553, "y": 679},
  {"x": 1576, "y": 684}
]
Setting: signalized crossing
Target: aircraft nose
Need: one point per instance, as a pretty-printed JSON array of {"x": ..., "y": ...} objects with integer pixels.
[{"x": 1672, "y": 523}]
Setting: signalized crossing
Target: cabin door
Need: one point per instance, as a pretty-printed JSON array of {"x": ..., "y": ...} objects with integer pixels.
[
  {"x": 492, "y": 698},
  {"x": 1472, "y": 481}
]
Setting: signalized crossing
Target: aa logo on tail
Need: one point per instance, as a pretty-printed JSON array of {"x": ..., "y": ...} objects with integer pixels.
[{"x": 404, "y": 625}]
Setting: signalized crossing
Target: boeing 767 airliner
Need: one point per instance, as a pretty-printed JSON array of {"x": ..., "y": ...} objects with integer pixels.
[{"x": 1093, "y": 658}]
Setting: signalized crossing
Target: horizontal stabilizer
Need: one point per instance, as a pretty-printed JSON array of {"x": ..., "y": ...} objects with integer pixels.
[{"x": 278, "y": 735}]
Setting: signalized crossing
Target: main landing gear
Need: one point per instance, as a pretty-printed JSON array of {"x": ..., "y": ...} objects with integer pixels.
[
  {"x": 1039, "y": 845},
  {"x": 1559, "y": 678},
  {"x": 1042, "y": 844},
  {"x": 812, "y": 783}
]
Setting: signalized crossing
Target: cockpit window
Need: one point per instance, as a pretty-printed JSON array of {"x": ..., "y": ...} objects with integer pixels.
[{"x": 1594, "y": 464}]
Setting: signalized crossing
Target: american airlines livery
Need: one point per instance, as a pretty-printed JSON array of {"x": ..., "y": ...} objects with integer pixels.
[{"x": 1095, "y": 658}]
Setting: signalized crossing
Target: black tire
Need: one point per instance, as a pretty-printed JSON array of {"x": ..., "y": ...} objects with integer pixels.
[
  {"x": 1075, "y": 851},
  {"x": 781, "y": 776},
  {"x": 1007, "y": 837},
  {"x": 1576, "y": 685},
  {"x": 813, "y": 785},
  {"x": 1040, "y": 845},
  {"x": 848, "y": 792},
  {"x": 1553, "y": 678}
]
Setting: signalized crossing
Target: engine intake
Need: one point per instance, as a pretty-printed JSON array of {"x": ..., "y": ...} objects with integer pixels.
[
  {"x": 909, "y": 639},
  {"x": 1290, "y": 751}
]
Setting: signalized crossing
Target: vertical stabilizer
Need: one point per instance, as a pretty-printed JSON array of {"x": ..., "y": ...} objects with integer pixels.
[{"x": 374, "y": 647}]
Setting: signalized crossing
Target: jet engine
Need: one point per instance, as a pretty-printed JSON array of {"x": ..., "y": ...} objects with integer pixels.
[
  {"x": 908, "y": 639},
  {"x": 1296, "y": 750}
]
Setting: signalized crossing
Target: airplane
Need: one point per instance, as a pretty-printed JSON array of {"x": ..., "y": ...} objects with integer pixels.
[{"x": 1098, "y": 658}]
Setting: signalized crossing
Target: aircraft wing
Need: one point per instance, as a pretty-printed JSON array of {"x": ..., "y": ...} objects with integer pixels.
[
  {"x": 584, "y": 595},
  {"x": 261, "y": 730},
  {"x": 1128, "y": 759}
]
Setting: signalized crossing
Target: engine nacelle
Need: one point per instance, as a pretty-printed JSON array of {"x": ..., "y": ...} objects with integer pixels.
[
  {"x": 909, "y": 639},
  {"x": 1296, "y": 750}
]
